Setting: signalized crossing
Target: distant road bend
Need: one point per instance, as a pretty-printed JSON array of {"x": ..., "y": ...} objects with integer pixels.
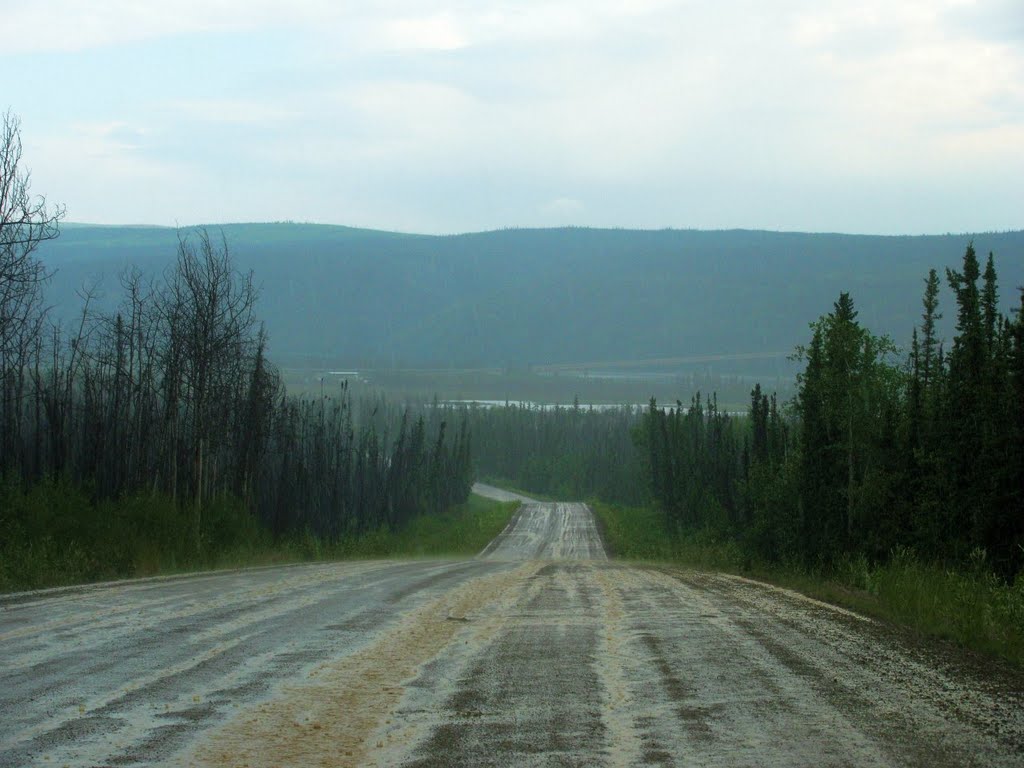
[{"x": 539, "y": 651}]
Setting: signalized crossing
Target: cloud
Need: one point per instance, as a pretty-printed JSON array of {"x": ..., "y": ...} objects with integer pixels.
[
  {"x": 471, "y": 115},
  {"x": 67, "y": 25},
  {"x": 438, "y": 32},
  {"x": 232, "y": 111},
  {"x": 564, "y": 209},
  {"x": 104, "y": 173}
]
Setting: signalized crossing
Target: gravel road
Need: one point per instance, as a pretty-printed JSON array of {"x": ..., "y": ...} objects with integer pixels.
[{"x": 538, "y": 652}]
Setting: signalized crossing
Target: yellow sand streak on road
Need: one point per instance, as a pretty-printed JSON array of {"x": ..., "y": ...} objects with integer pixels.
[
  {"x": 328, "y": 720},
  {"x": 625, "y": 747}
]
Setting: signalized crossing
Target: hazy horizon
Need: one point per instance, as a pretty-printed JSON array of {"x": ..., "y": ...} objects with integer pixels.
[{"x": 609, "y": 227}]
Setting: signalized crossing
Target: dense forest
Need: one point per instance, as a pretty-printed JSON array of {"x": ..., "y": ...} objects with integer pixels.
[
  {"x": 569, "y": 453},
  {"x": 172, "y": 397},
  {"x": 874, "y": 453},
  {"x": 880, "y": 450},
  {"x": 336, "y": 296},
  {"x": 161, "y": 422}
]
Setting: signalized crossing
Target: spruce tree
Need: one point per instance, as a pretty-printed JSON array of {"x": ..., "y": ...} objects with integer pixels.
[
  {"x": 990, "y": 305},
  {"x": 759, "y": 423},
  {"x": 817, "y": 475},
  {"x": 929, "y": 342},
  {"x": 963, "y": 412},
  {"x": 1015, "y": 457}
]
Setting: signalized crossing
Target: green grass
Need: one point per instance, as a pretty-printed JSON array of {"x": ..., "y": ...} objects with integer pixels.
[
  {"x": 53, "y": 535},
  {"x": 971, "y": 608},
  {"x": 462, "y": 531}
]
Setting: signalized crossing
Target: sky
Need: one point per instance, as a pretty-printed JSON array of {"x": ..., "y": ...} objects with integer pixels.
[{"x": 875, "y": 116}]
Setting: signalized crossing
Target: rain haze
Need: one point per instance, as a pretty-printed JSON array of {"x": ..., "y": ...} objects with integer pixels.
[
  {"x": 465, "y": 384},
  {"x": 872, "y": 117}
]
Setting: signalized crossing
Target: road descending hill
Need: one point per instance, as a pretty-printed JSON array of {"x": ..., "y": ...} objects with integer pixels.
[{"x": 538, "y": 652}]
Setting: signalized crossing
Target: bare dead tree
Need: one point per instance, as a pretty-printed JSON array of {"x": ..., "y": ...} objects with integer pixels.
[
  {"x": 25, "y": 222},
  {"x": 208, "y": 310},
  {"x": 142, "y": 329}
]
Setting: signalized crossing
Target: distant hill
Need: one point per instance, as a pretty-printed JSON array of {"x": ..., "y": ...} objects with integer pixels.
[{"x": 520, "y": 296}]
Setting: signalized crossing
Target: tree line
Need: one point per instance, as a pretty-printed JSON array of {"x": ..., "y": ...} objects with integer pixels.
[
  {"x": 874, "y": 452},
  {"x": 881, "y": 449},
  {"x": 171, "y": 395},
  {"x": 569, "y": 452}
]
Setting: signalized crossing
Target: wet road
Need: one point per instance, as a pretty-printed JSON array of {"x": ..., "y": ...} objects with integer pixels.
[{"x": 538, "y": 652}]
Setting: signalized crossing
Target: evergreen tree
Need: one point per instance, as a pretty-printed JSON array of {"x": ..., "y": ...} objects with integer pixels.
[
  {"x": 990, "y": 305},
  {"x": 1015, "y": 450},
  {"x": 968, "y": 363},
  {"x": 759, "y": 423},
  {"x": 929, "y": 342},
  {"x": 842, "y": 345},
  {"x": 818, "y": 476}
]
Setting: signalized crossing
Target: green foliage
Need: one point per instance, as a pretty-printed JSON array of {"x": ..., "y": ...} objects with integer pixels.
[
  {"x": 694, "y": 460},
  {"x": 634, "y": 533},
  {"x": 870, "y": 455},
  {"x": 159, "y": 437},
  {"x": 872, "y": 462},
  {"x": 970, "y": 606},
  {"x": 774, "y": 531},
  {"x": 562, "y": 452},
  {"x": 463, "y": 530},
  {"x": 340, "y": 469},
  {"x": 845, "y": 396},
  {"x": 639, "y": 533},
  {"x": 229, "y": 525},
  {"x": 52, "y": 535}
]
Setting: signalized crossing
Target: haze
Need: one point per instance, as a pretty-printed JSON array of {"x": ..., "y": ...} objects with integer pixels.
[{"x": 881, "y": 117}]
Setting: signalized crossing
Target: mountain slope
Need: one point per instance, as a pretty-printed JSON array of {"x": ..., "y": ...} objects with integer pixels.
[{"x": 515, "y": 297}]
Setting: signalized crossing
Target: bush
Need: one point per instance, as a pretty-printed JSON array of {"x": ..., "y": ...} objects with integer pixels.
[
  {"x": 49, "y": 537},
  {"x": 973, "y": 608},
  {"x": 227, "y": 524},
  {"x": 53, "y": 534}
]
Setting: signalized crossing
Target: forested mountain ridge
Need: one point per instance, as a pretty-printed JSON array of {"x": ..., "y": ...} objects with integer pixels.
[{"x": 522, "y": 296}]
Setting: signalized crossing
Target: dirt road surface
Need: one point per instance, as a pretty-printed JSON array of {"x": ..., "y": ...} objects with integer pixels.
[{"x": 538, "y": 652}]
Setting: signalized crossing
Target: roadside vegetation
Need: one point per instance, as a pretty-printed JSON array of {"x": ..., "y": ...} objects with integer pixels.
[
  {"x": 157, "y": 436},
  {"x": 893, "y": 480},
  {"x": 462, "y": 531},
  {"x": 56, "y": 535},
  {"x": 968, "y": 605},
  {"x": 567, "y": 453}
]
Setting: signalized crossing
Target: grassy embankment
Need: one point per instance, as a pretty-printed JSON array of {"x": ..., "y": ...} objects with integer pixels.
[
  {"x": 973, "y": 609},
  {"x": 53, "y": 535}
]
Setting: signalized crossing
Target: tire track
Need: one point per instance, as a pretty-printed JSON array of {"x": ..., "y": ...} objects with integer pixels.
[
  {"x": 326, "y": 721},
  {"x": 146, "y": 690},
  {"x": 570, "y": 660}
]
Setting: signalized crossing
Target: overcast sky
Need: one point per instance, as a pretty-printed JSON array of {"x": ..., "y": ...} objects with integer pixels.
[{"x": 874, "y": 116}]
